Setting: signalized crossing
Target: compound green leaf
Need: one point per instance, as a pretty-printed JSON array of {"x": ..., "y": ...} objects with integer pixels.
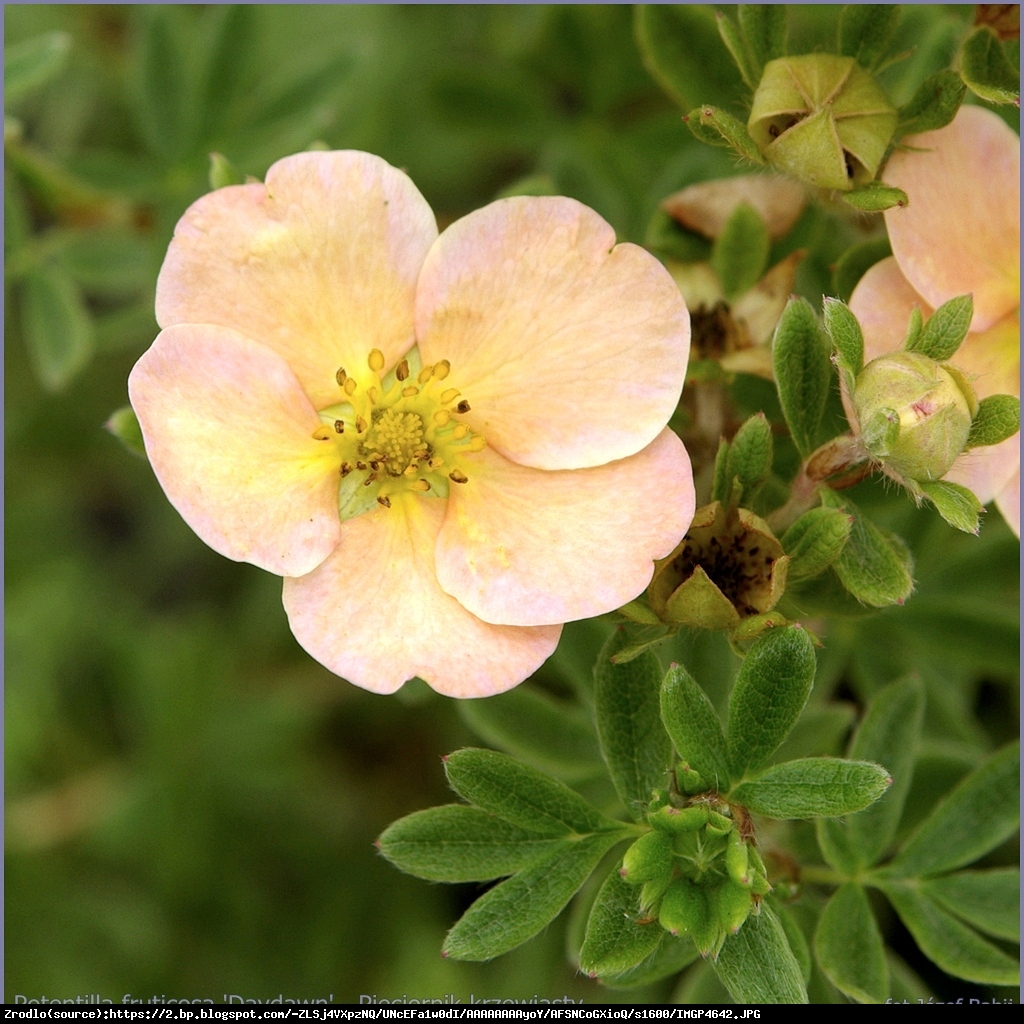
[
  {"x": 945, "y": 330},
  {"x": 958, "y": 505},
  {"x": 986, "y": 68},
  {"x": 849, "y": 946},
  {"x": 997, "y": 418},
  {"x": 803, "y": 372},
  {"x": 757, "y": 966},
  {"x": 521, "y": 795},
  {"x": 934, "y": 105},
  {"x": 614, "y": 942},
  {"x": 693, "y": 725},
  {"x": 989, "y": 900},
  {"x": 57, "y": 326},
  {"x": 458, "y": 843},
  {"x": 634, "y": 743},
  {"x": 516, "y": 909}
]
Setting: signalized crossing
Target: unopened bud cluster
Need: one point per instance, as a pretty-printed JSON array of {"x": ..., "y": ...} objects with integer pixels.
[{"x": 698, "y": 870}]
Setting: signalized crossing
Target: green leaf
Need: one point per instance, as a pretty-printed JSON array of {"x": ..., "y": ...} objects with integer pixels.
[
  {"x": 849, "y": 946},
  {"x": 945, "y": 330},
  {"x": 640, "y": 639},
  {"x": 764, "y": 31},
  {"x": 721, "y": 482},
  {"x": 915, "y": 325},
  {"x": 551, "y": 735},
  {"x": 163, "y": 87},
  {"x": 771, "y": 690},
  {"x": 844, "y": 330},
  {"x": 279, "y": 102},
  {"x": 521, "y": 795},
  {"x": 516, "y": 909},
  {"x": 231, "y": 43},
  {"x": 718, "y": 127},
  {"x": 109, "y": 262},
  {"x": 875, "y": 196},
  {"x": 223, "y": 172},
  {"x": 888, "y": 735},
  {"x": 614, "y": 942},
  {"x": 997, "y": 418},
  {"x": 740, "y": 252},
  {"x": 670, "y": 957},
  {"x": 934, "y": 105},
  {"x": 986, "y": 68},
  {"x": 540, "y": 184},
  {"x": 989, "y": 900},
  {"x": 976, "y": 817},
  {"x": 796, "y": 939},
  {"x": 635, "y": 745},
  {"x": 855, "y": 262},
  {"x": 738, "y": 50},
  {"x": 874, "y": 567},
  {"x": 953, "y": 946},
  {"x": 750, "y": 454},
  {"x": 815, "y": 541},
  {"x": 757, "y": 966},
  {"x": 866, "y": 30},
  {"x": 29, "y": 65},
  {"x": 955, "y": 503},
  {"x": 456, "y": 843},
  {"x": 124, "y": 425},
  {"x": 813, "y": 787},
  {"x": 681, "y": 49},
  {"x": 803, "y": 373},
  {"x": 57, "y": 326},
  {"x": 692, "y": 722}
]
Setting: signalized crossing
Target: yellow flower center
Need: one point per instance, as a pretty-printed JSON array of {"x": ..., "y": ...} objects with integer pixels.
[{"x": 397, "y": 434}]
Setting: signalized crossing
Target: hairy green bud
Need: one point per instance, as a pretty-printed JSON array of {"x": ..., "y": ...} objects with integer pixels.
[{"x": 648, "y": 859}]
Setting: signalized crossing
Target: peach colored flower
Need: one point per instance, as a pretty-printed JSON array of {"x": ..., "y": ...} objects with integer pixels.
[
  {"x": 960, "y": 233},
  {"x": 448, "y": 446}
]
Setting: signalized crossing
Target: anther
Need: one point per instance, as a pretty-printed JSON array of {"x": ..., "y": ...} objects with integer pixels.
[
  {"x": 435, "y": 463},
  {"x": 339, "y": 426},
  {"x": 341, "y": 376},
  {"x": 383, "y": 499},
  {"x": 441, "y": 417},
  {"x": 402, "y": 370},
  {"x": 322, "y": 434},
  {"x": 449, "y": 396},
  {"x": 376, "y": 360},
  {"x": 419, "y": 485},
  {"x": 458, "y": 476},
  {"x": 360, "y": 465},
  {"x": 463, "y": 406},
  {"x": 350, "y": 386},
  {"x": 410, "y": 392},
  {"x": 371, "y": 394},
  {"x": 410, "y": 471},
  {"x": 370, "y": 479},
  {"x": 478, "y": 444},
  {"x": 442, "y": 369},
  {"x": 424, "y": 375},
  {"x": 460, "y": 431},
  {"x": 344, "y": 469},
  {"x": 360, "y": 425}
]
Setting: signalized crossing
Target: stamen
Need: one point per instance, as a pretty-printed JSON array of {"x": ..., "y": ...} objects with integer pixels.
[
  {"x": 442, "y": 369},
  {"x": 360, "y": 425},
  {"x": 371, "y": 394},
  {"x": 410, "y": 391},
  {"x": 410, "y": 471},
  {"x": 478, "y": 444},
  {"x": 376, "y": 360},
  {"x": 424, "y": 375},
  {"x": 402, "y": 370},
  {"x": 441, "y": 417},
  {"x": 360, "y": 465},
  {"x": 463, "y": 406},
  {"x": 370, "y": 479},
  {"x": 341, "y": 376},
  {"x": 350, "y": 386},
  {"x": 339, "y": 426},
  {"x": 419, "y": 485},
  {"x": 344, "y": 469},
  {"x": 458, "y": 476},
  {"x": 449, "y": 396},
  {"x": 460, "y": 431},
  {"x": 382, "y": 499},
  {"x": 435, "y": 463},
  {"x": 322, "y": 434}
]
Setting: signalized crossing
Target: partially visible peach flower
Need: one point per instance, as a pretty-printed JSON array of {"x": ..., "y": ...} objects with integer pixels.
[
  {"x": 448, "y": 446},
  {"x": 960, "y": 233}
]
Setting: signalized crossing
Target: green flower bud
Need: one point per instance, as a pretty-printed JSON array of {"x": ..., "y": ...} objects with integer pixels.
[
  {"x": 736, "y": 862},
  {"x": 650, "y": 857},
  {"x": 732, "y": 905},
  {"x": 719, "y": 824},
  {"x": 673, "y": 820},
  {"x": 684, "y": 909},
  {"x": 689, "y": 781},
  {"x": 822, "y": 118},
  {"x": 651, "y": 893},
  {"x": 915, "y": 414}
]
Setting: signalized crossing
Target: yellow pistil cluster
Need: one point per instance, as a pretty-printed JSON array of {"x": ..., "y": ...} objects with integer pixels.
[{"x": 397, "y": 434}]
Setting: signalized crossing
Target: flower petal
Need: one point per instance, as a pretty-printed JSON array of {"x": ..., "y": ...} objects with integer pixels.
[
  {"x": 320, "y": 264},
  {"x": 960, "y": 231},
  {"x": 883, "y": 301},
  {"x": 228, "y": 431},
  {"x": 530, "y": 546},
  {"x": 707, "y": 206},
  {"x": 570, "y": 349},
  {"x": 374, "y": 613}
]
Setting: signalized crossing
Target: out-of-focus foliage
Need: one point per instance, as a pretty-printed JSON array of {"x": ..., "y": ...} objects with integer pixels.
[{"x": 191, "y": 801}]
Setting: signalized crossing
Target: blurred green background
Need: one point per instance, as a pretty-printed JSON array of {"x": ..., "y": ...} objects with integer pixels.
[{"x": 191, "y": 801}]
